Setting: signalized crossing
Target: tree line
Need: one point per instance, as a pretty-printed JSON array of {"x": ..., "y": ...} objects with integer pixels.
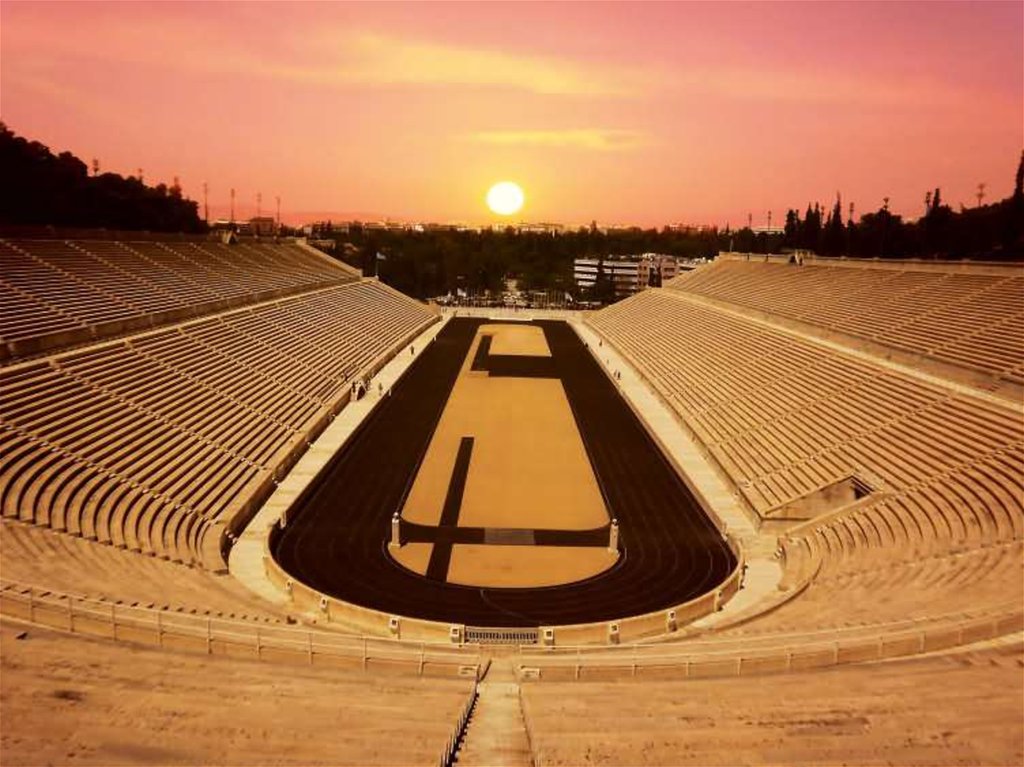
[
  {"x": 985, "y": 232},
  {"x": 436, "y": 261},
  {"x": 39, "y": 188}
]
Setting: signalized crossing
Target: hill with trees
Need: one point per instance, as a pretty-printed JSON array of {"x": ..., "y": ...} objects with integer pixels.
[{"x": 39, "y": 188}]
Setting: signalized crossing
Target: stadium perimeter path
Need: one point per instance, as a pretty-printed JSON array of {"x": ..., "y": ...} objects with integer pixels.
[
  {"x": 246, "y": 559},
  {"x": 763, "y": 570}
]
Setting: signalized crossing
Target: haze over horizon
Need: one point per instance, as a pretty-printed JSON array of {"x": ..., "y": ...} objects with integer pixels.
[{"x": 646, "y": 114}]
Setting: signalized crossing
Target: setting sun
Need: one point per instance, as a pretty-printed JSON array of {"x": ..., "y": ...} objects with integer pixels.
[{"x": 505, "y": 198}]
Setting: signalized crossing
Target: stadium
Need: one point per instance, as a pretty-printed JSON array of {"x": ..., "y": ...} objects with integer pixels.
[
  {"x": 805, "y": 482},
  {"x": 416, "y": 472}
]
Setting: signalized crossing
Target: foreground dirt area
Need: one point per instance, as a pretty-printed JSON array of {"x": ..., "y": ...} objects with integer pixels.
[
  {"x": 67, "y": 700},
  {"x": 955, "y": 710}
]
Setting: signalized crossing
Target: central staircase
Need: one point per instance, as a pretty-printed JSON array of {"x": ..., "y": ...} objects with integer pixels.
[{"x": 496, "y": 735}]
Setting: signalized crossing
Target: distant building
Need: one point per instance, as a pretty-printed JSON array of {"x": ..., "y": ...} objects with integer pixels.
[
  {"x": 541, "y": 228},
  {"x": 629, "y": 274},
  {"x": 690, "y": 228},
  {"x": 263, "y": 226}
]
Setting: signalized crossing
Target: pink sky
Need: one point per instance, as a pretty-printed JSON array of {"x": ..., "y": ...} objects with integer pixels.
[{"x": 635, "y": 113}]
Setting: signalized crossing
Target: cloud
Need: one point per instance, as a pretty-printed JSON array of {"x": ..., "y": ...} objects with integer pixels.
[
  {"x": 778, "y": 84},
  {"x": 350, "y": 57},
  {"x": 100, "y": 107},
  {"x": 370, "y": 58},
  {"x": 329, "y": 56},
  {"x": 592, "y": 139}
]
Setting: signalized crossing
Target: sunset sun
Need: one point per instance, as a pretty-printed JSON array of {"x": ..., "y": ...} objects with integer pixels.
[{"x": 505, "y": 198}]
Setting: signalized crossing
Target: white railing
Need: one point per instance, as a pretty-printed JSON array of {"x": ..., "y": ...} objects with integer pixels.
[
  {"x": 225, "y": 636},
  {"x": 733, "y": 656}
]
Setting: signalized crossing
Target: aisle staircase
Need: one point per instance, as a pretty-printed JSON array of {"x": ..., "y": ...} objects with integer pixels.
[{"x": 496, "y": 734}]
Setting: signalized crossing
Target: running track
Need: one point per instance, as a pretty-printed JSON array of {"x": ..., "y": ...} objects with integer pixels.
[{"x": 337, "y": 543}]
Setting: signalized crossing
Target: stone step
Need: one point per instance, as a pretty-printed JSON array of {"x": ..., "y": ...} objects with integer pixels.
[{"x": 496, "y": 733}]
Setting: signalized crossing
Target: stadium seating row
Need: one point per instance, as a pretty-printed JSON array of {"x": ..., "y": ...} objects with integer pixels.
[
  {"x": 939, "y": 529},
  {"x": 69, "y": 564},
  {"x": 109, "y": 704},
  {"x": 148, "y": 441},
  {"x": 57, "y": 293},
  {"x": 962, "y": 317},
  {"x": 963, "y": 710},
  {"x": 767, "y": 404}
]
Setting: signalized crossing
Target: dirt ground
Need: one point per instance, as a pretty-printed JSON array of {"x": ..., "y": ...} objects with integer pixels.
[
  {"x": 529, "y": 470},
  {"x": 523, "y": 339},
  {"x": 533, "y": 566},
  {"x": 69, "y": 700}
]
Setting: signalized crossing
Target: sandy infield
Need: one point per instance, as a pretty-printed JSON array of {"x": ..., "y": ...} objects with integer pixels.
[{"x": 528, "y": 470}]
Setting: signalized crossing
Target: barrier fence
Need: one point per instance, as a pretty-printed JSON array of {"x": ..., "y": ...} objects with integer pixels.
[
  {"x": 754, "y": 654},
  {"x": 220, "y": 636},
  {"x": 728, "y": 656}
]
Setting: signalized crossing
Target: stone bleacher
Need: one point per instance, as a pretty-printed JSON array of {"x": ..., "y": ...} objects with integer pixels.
[
  {"x": 70, "y": 564},
  {"x": 103, "y": 702},
  {"x": 784, "y": 415},
  {"x": 963, "y": 709},
  {"x": 940, "y": 527},
  {"x": 163, "y": 441},
  {"x": 57, "y": 293},
  {"x": 967, "y": 317}
]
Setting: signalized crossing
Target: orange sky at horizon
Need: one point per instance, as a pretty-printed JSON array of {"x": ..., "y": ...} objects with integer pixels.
[{"x": 624, "y": 113}]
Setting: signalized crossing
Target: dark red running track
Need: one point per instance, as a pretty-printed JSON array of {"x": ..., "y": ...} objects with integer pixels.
[{"x": 337, "y": 542}]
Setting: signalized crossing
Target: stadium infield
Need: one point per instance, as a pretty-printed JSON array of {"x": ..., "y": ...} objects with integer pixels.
[
  {"x": 506, "y": 457},
  {"x": 542, "y": 565}
]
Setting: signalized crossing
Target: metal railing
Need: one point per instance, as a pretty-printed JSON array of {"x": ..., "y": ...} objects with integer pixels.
[{"x": 447, "y": 758}]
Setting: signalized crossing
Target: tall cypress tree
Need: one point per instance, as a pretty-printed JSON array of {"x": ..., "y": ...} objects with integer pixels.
[
  {"x": 832, "y": 240},
  {"x": 1013, "y": 228}
]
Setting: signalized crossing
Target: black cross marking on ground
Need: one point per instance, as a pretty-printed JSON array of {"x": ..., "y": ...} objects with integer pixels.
[
  {"x": 511, "y": 365},
  {"x": 448, "y": 533},
  {"x": 441, "y": 555}
]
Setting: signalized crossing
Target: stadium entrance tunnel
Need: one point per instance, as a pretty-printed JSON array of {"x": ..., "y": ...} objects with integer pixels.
[
  {"x": 420, "y": 515},
  {"x": 829, "y": 498}
]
